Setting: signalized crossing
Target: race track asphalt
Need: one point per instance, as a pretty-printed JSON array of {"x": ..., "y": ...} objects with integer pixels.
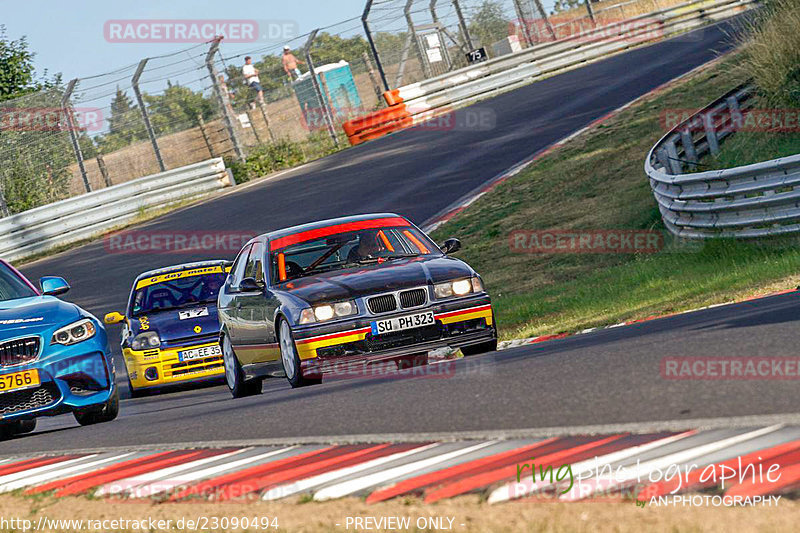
[{"x": 608, "y": 376}]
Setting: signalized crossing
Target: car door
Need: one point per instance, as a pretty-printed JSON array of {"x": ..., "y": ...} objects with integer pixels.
[
  {"x": 256, "y": 335},
  {"x": 229, "y": 303}
]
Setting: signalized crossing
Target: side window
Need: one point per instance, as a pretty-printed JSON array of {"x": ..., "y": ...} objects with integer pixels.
[
  {"x": 254, "y": 268},
  {"x": 237, "y": 271}
]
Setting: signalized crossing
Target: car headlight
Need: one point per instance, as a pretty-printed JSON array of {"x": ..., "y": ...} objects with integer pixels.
[
  {"x": 74, "y": 333},
  {"x": 324, "y": 312},
  {"x": 460, "y": 287},
  {"x": 146, "y": 341}
]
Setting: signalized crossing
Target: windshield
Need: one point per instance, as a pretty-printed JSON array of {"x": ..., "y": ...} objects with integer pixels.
[
  {"x": 349, "y": 249},
  {"x": 12, "y": 286},
  {"x": 177, "y": 293}
]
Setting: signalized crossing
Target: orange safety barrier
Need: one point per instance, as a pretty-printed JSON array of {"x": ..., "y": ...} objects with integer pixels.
[
  {"x": 381, "y": 131},
  {"x": 393, "y": 97},
  {"x": 375, "y": 119}
]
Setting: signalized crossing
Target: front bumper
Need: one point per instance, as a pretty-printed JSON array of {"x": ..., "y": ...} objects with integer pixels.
[
  {"x": 71, "y": 378},
  {"x": 459, "y": 322},
  {"x": 168, "y": 366}
]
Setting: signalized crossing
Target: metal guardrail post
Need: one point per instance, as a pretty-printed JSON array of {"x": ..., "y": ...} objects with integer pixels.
[
  {"x": 375, "y": 55},
  {"x": 76, "y": 147},
  {"x": 463, "y": 24},
  {"x": 321, "y": 98},
  {"x": 3, "y": 205},
  {"x": 526, "y": 28},
  {"x": 202, "y": 124},
  {"x": 101, "y": 164},
  {"x": 145, "y": 116},
  {"x": 543, "y": 13},
  {"x": 223, "y": 100},
  {"x": 457, "y": 42},
  {"x": 590, "y": 10},
  {"x": 372, "y": 78},
  {"x": 413, "y": 33},
  {"x": 711, "y": 134},
  {"x": 265, "y": 116}
]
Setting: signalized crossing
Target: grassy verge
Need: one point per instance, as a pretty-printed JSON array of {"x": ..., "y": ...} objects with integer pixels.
[{"x": 597, "y": 182}]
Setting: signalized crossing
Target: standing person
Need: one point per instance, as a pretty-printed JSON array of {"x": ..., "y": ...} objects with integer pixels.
[
  {"x": 290, "y": 63},
  {"x": 250, "y": 73}
]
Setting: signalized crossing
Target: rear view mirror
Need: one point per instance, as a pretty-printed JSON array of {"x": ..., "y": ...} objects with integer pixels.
[
  {"x": 53, "y": 285},
  {"x": 113, "y": 318},
  {"x": 451, "y": 246},
  {"x": 250, "y": 285}
]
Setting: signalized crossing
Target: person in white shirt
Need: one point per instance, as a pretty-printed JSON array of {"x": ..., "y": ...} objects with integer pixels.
[{"x": 250, "y": 73}]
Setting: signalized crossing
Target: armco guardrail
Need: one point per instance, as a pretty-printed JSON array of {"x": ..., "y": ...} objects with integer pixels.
[
  {"x": 81, "y": 217},
  {"x": 427, "y": 99},
  {"x": 750, "y": 201}
]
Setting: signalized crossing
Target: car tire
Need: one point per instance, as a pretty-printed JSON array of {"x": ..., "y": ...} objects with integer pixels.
[
  {"x": 475, "y": 349},
  {"x": 105, "y": 413},
  {"x": 234, "y": 376},
  {"x": 17, "y": 427},
  {"x": 290, "y": 360}
]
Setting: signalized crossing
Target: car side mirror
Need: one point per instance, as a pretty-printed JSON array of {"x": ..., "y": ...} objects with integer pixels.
[
  {"x": 113, "y": 318},
  {"x": 53, "y": 285},
  {"x": 251, "y": 285},
  {"x": 451, "y": 246}
]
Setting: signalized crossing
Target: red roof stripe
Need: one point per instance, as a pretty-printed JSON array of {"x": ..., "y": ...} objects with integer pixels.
[{"x": 375, "y": 223}]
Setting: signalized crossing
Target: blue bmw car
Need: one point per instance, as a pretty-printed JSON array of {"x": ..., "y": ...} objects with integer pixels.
[{"x": 54, "y": 357}]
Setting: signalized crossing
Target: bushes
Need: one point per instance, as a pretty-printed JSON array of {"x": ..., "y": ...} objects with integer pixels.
[{"x": 282, "y": 154}]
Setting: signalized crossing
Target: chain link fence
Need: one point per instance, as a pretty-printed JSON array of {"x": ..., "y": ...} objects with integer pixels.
[{"x": 195, "y": 103}]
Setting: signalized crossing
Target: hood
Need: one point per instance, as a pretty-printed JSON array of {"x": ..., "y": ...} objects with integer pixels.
[
  {"x": 376, "y": 278},
  {"x": 35, "y": 315},
  {"x": 170, "y": 326}
]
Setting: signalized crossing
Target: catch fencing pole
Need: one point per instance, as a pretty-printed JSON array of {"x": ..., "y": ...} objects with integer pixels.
[
  {"x": 76, "y": 147},
  {"x": 145, "y": 116},
  {"x": 375, "y": 54},
  {"x": 224, "y": 102}
]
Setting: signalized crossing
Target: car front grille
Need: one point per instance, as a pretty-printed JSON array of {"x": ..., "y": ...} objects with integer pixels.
[
  {"x": 19, "y": 351},
  {"x": 22, "y": 400},
  {"x": 382, "y": 304},
  {"x": 412, "y": 298}
]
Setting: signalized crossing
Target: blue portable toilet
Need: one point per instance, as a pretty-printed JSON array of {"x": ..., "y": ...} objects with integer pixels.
[{"x": 337, "y": 85}]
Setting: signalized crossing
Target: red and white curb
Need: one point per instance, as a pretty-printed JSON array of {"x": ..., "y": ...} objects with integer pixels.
[{"x": 433, "y": 471}]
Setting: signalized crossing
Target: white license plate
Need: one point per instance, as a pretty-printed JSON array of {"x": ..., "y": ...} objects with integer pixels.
[
  {"x": 193, "y": 313},
  {"x": 390, "y": 325},
  {"x": 200, "y": 353}
]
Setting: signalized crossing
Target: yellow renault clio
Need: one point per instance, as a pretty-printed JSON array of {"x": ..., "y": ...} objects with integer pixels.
[{"x": 170, "y": 327}]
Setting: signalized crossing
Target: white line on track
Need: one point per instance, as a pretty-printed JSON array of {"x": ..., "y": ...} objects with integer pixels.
[
  {"x": 59, "y": 473},
  {"x": 131, "y": 483},
  {"x": 303, "y": 485},
  {"x": 40, "y": 470},
  {"x": 169, "y": 484},
  {"x": 361, "y": 483}
]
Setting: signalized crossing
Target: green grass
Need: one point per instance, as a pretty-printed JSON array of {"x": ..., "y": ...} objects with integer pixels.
[{"x": 597, "y": 181}]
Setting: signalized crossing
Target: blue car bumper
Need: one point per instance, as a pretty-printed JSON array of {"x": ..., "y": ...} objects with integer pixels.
[{"x": 71, "y": 378}]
